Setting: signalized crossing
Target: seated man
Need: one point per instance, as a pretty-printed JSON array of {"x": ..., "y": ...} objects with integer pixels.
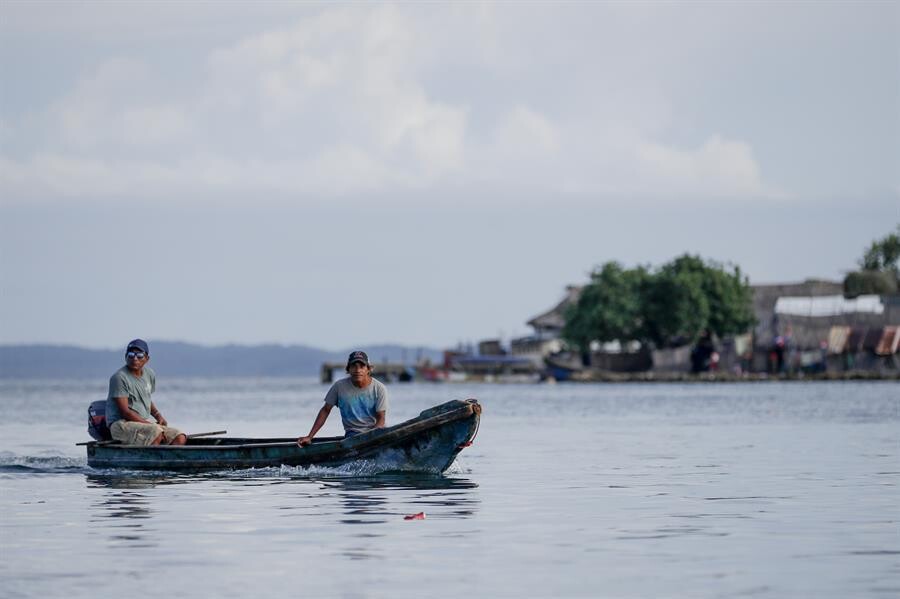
[
  {"x": 362, "y": 400},
  {"x": 129, "y": 408}
]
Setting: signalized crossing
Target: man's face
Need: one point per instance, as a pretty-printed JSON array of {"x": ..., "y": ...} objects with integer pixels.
[
  {"x": 359, "y": 372},
  {"x": 135, "y": 358}
]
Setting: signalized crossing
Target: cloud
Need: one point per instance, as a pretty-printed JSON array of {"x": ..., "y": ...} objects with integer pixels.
[
  {"x": 68, "y": 176},
  {"x": 117, "y": 108},
  {"x": 719, "y": 167},
  {"x": 524, "y": 131},
  {"x": 519, "y": 151},
  {"x": 363, "y": 99}
]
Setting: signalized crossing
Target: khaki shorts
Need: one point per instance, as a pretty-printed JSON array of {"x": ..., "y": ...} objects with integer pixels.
[{"x": 138, "y": 433}]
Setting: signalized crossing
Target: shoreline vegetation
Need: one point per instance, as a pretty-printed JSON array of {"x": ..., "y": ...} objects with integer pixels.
[{"x": 703, "y": 316}]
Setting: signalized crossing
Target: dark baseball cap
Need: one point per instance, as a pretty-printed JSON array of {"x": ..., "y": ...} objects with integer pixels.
[
  {"x": 357, "y": 356},
  {"x": 139, "y": 344}
]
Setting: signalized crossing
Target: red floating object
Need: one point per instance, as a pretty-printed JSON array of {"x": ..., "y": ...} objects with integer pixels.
[{"x": 419, "y": 516}]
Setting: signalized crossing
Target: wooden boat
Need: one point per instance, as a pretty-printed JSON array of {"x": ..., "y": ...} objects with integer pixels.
[{"x": 428, "y": 443}]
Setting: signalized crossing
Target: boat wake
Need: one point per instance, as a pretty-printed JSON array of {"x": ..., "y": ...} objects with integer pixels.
[
  {"x": 11, "y": 463},
  {"x": 358, "y": 468}
]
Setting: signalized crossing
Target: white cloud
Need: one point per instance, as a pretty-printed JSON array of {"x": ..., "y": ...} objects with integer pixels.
[
  {"x": 152, "y": 125},
  {"x": 522, "y": 150},
  {"x": 719, "y": 167},
  {"x": 358, "y": 99},
  {"x": 348, "y": 76},
  {"x": 67, "y": 176},
  {"x": 524, "y": 131},
  {"x": 118, "y": 107},
  {"x": 277, "y": 70}
]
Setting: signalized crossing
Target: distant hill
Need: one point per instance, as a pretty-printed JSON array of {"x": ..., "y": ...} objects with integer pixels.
[{"x": 171, "y": 358}]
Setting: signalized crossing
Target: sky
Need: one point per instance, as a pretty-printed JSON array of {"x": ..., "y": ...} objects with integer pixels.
[{"x": 429, "y": 174}]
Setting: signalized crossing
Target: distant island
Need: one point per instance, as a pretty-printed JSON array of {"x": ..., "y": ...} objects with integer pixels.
[{"x": 171, "y": 358}]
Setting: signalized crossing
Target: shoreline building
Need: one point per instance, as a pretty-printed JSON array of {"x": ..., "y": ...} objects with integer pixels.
[
  {"x": 803, "y": 326},
  {"x": 813, "y": 327},
  {"x": 547, "y": 337}
]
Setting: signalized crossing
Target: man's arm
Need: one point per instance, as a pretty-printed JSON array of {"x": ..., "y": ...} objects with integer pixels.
[
  {"x": 126, "y": 412},
  {"x": 321, "y": 417},
  {"x": 154, "y": 411},
  {"x": 381, "y": 405}
]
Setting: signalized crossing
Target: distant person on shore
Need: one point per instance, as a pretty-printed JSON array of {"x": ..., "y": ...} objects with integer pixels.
[
  {"x": 131, "y": 415},
  {"x": 362, "y": 400},
  {"x": 778, "y": 347},
  {"x": 703, "y": 352}
]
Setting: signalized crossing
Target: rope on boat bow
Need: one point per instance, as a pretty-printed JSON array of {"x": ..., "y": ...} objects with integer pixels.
[{"x": 476, "y": 408}]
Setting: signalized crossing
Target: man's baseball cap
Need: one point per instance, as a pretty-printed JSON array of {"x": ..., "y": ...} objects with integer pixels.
[
  {"x": 357, "y": 356},
  {"x": 138, "y": 344}
]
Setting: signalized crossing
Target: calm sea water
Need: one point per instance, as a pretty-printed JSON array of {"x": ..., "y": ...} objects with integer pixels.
[{"x": 658, "y": 490}]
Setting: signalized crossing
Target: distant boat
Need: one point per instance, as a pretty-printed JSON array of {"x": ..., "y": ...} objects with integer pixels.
[
  {"x": 428, "y": 443},
  {"x": 441, "y": 375},
  {"x": 562, "y": 365}
]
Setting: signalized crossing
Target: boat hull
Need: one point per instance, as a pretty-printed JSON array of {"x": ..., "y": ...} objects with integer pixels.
[{"x": 428, "y": 443}]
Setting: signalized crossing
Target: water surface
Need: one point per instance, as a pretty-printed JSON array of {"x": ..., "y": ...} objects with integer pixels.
[{"x": 630, "y": 490}]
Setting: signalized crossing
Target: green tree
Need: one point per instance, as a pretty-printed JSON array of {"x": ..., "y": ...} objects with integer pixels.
[
  {"x": 609, "y": 308},
  {"x": 869, "y": 282},
  {"x": 676, "y": 307},
  {"x": 730, "y": 300},
  {"x": 670, "y": 306},
  {"x": 880, "y": 272},
  {"x": 688, "y": 295},
  {"x": 884, "y": 254}
]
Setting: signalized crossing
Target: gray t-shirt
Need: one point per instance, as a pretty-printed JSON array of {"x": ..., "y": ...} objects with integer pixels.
[
  {"x": 137, "y": 389},
  {"x": 358, "y": 406}
]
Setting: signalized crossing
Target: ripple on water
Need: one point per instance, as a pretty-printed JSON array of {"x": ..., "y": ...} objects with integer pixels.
[
  {"x": 15, "y": 464},
  {"x": 11, "y": 463}
]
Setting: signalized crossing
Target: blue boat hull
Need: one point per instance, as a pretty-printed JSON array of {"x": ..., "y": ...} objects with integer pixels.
[{"x": 428, "y": 443}]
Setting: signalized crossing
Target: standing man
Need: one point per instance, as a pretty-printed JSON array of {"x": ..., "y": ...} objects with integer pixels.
[
  {"x": 362, "y": 400},
  {"x": 132, "y": 417}
]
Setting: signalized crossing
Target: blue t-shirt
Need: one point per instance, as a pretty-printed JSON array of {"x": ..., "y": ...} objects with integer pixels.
[{"x": 358, "y": 406}]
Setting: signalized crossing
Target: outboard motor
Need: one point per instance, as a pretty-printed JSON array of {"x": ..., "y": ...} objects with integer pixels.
[{"x": 97, "y": 421}]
